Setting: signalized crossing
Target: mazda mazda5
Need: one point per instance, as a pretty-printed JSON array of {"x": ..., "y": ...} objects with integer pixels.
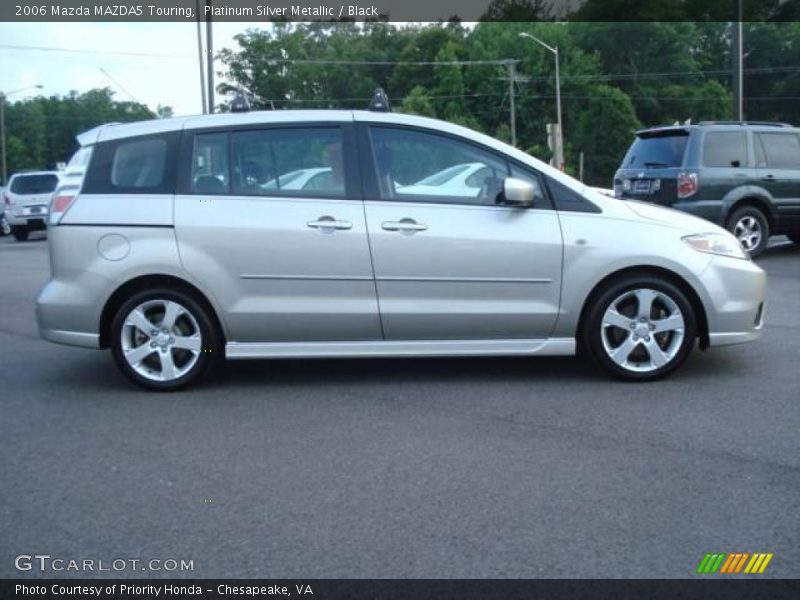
[{"x": 186, "y": 242}]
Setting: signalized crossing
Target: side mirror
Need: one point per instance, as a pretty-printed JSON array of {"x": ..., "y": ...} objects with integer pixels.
[{"x": 517, "y": 192}]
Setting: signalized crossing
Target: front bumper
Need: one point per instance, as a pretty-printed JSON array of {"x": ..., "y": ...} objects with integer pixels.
[{"x": 735, "y": 291}]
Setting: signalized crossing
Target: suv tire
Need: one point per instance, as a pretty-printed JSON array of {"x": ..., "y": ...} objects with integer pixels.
[
  {"x": 639, "y": 328},
  {"x": 19, "y": 232},
  {"x": 164, "y": 339},
  {"x": 749, "y": 225}
]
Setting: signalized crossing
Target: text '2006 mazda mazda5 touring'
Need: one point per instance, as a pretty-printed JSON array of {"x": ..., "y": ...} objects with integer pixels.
[{"x": 370, "y": 234}]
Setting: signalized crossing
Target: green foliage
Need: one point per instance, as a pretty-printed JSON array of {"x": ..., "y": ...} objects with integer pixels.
[{"x": 40, "y": 132}]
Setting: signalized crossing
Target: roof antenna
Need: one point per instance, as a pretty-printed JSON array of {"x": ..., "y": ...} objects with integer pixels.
[{"x": 380, "y": 101}]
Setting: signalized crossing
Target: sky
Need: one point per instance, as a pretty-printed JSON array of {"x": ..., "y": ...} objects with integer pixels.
[{"x": 172, "y": 80}]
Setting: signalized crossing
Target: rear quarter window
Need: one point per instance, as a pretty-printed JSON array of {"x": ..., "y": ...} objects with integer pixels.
[
  {"x": 778, "y": 150},
  {"x": 33, "y": 184},
  {"x": 725, "y": 149},
  {"x": 142, "y": 165}
]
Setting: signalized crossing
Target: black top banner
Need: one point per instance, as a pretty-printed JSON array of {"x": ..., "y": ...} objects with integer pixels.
[
  {"x": 401, "y": 589},
  {"x": 399, "y": 10}
]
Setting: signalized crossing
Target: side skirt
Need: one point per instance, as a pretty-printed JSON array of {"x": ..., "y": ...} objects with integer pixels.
[{"x": 541, "y": 347}]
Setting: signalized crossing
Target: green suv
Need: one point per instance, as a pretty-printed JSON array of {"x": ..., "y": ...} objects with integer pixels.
[{"x": 744, "y": 176}]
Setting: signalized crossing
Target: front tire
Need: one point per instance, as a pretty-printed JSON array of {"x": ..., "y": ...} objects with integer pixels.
[
  {"x": 164, "y": 339},
  {"x": 751, "y": 228},
  {"x": 20, "y": 232},
  {"x": 640, "y": 328}
]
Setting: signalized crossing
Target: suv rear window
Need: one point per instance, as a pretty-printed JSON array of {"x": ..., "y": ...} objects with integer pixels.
[
  {"x": 725, "y": 149},
  {"x": 34, "y": 184},
  {"x": 655, "y": 151}
]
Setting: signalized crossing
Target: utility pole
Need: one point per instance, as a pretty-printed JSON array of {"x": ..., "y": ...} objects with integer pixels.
[
  {"x": 512, "y": 73},
  {"x": 513, "y": 78},
  {"x": 200, "y": 58},
  {"x": 736, "y": 51},
  {"x": 210, "y": 43}
]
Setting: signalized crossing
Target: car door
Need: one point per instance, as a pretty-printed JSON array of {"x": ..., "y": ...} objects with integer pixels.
[
  {"x": 450, "y": 265},
  {"x": 778, "y": 164},
  {"x": 285, "y": 264}
]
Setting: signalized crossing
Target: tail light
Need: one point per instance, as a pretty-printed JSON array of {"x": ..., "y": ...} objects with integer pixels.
[
  {"x": 687, "y": 184},
  {"x": 60, "y": 203}
]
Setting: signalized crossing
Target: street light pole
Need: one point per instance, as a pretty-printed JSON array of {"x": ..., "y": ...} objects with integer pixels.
[
  {"x": 560, "y": 145},
  {"x": 3, "y": 97}
]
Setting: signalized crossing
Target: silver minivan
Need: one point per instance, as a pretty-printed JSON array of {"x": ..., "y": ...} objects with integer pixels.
[{"x": 296, "y": 234}]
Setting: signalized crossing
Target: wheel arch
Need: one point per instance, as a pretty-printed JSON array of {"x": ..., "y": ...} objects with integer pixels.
[
  {"x": 144, "y": 282},
  {"x": 759, "y": 202},
  {"x": 648, "y": 270}
]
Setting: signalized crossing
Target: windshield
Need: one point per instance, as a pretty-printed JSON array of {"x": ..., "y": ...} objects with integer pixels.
[
  {"x": 657, "y": 151},
  {"x": 34, "y": 184}
]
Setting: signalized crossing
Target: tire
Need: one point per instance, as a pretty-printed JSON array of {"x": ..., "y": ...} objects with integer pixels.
[
  {"x": 165, "y": 361},
  {"x": 794, "y": 236},
  {"x": 751, "y": 228},
  {"x": 5, "y": 228},
  {"x": 20, "y": 233},
  {"x": 617, "y": 338}
]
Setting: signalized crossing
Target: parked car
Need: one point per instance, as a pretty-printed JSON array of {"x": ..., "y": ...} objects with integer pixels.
[
  {"x": 26, "y": 200},
  {"x": 744, "y": 176},
  {"x": 5, "y": 228},
  {"x": 172, "y": 272}
]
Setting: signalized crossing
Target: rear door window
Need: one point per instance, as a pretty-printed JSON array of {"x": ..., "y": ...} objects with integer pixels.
[
  {"x": 779, "y": 150},
  {"x": 34, "y": 184},
  {"x": 725, "y": 149},
  {"x": 210, "y": 173},
  {"x": 657, "y": 151}
]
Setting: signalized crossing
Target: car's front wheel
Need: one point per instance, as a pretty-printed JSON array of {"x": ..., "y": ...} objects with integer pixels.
[
  {"x": 164, "y": 339},
  {"x": 640, "y": 328},
  {"x": 20, "y": 232},
  {"x": 751, "y": 228}
]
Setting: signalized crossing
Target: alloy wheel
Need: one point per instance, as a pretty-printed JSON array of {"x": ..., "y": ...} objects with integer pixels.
[
  {"x": 642, "y": 330},
  {"x": 748, "y": 231},
  {"x": 161, "y": 340}
]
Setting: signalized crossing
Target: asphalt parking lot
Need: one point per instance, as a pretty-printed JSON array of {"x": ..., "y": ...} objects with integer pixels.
[{"x": 501, "y": 467}]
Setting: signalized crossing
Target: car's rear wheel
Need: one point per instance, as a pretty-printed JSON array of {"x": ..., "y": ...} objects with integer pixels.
[
  {"x": 640, "y": 328},
  {"x": 5, "y": 228},
  {"x": 20, "y": 232},
  {"x": 164, "y": 339},
  {"x": 751, "y": 228}
]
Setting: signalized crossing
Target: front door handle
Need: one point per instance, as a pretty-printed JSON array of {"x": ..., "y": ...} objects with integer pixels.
[
  {"x": 768, "y": 178},
  {"x": 328, "y": 224},
  {"x": 406, "y": 226}
]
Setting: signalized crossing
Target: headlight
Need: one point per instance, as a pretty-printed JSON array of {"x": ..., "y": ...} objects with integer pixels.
[{"x": 716, "y": 243}]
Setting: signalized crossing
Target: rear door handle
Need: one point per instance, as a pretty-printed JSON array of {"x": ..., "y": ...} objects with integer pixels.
[
  {"x": 768, "y": 178},
  {"x": 328, "y": 224},
  {"x": 407, "y": 226}
]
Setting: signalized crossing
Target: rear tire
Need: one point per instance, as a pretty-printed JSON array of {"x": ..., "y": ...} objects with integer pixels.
[
  {"x": 639, "y": 328},
  {"x": 164, "y": 339},
  {"x": 749, "y": 225},
  {"x": 5, "y": 228},
  {"x": 20, "y": 232}
]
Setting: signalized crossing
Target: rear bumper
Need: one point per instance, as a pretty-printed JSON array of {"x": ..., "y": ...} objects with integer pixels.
[
  {"x": 71, "y": 338},
  {"x": 735, "y": 303},
  {"x": 32, "y": 222}
]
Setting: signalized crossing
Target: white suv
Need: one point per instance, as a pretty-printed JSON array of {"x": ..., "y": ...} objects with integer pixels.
[{"x": 26, "y": 200}]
